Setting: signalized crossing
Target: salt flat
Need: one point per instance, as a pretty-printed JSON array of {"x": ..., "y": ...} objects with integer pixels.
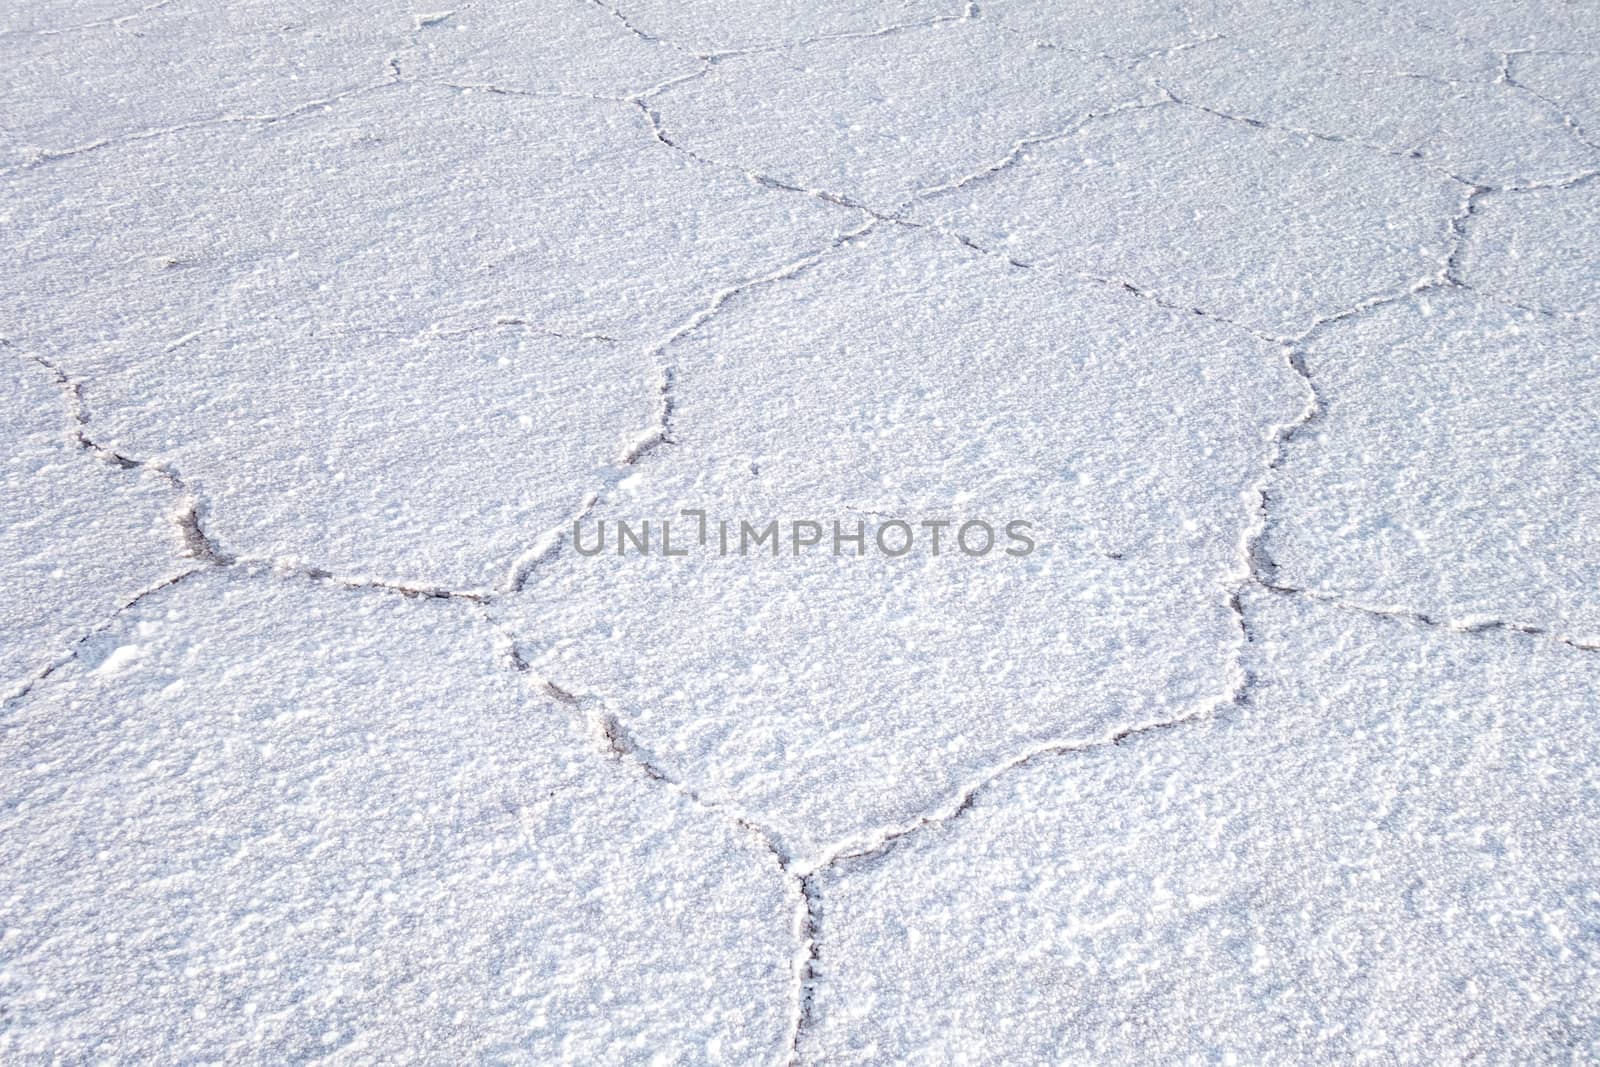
[{"x": 399, "y": 666}]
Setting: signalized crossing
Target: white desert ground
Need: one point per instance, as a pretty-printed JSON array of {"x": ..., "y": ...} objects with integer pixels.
[{"x": 336, "y": 337}]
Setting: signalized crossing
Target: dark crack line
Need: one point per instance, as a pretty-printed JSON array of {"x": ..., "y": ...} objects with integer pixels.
[
  {"x": 99, "y": 628},
  {"x": 1019, "y": 149},
  {"x": 1263, "y": 570},
  {"x": 1503, "y": 73},
  {"x": 195, "y": 543},
  {"x": 412, "y": 590},
  {"x": 1125, "y": 60},
  {"x": 41, "y": 157},
  {"x": 1447, "y": 276},
  {"x": 808, "y": 924},
  {"x": 615, "y": 744},
  {"x": 807, "y": 930},
  {"x": 659, "y": 132},
  {"x": 495, "y": 89},
  {"x": 1572, "y": 181},
  {"x": 1118, "y": 284},
  {"x": 896, "y": 214},
  {"x": 188, "y": 519},
  {"x": 1570, "y": 121},
  {"x": 243, "y": 568},
  {"x": 627, "y": 24},
  {"x": 714, "y": 54},
  {"x": 1422, "y": 620},
  {"x": 515, "y": 322},
  {"x": 1411, "y": 155},
  {"x": 967, "y": 15},
  {"x": 879, "y": 843},
  {"x": 1444, "y": 277},
  {"x": 1450, "y": 271},
  {"x": 659, "y": 432},
  {"x": 97, "y": 24},
  {"x": 547, "y": 547}
]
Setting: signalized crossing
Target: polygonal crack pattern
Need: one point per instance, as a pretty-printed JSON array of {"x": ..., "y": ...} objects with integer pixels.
[{"x": 323, "y": 326}]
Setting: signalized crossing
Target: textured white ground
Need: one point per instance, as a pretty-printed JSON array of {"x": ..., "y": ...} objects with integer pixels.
[{"x": 320, "y": 323}]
